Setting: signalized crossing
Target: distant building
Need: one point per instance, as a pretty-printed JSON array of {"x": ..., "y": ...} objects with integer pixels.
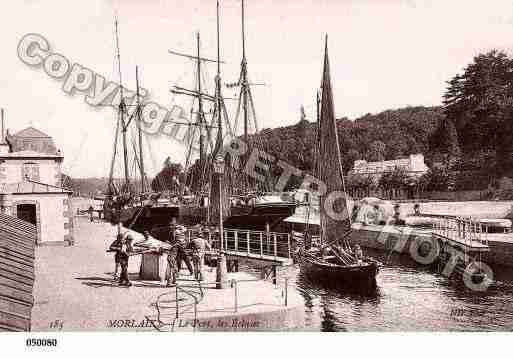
[
  {"x": 31, "y": 139},
  {"x": 30, "y": 184},
  {"x": 413, "y": 165}
]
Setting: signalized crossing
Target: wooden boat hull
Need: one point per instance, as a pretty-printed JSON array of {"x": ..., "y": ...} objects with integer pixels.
[
  {"x": 357, "y": 276},
  {"x": 249, "y": 217},
  {"x": 191, "y": 215},
  {"x": 147, "y": 219},
  {"x": 256, "y": 217},
  {"x": 112, "y": 215}
]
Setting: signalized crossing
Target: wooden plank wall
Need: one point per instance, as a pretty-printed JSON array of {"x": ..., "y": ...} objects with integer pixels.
[{"x": 17, "y": 243}]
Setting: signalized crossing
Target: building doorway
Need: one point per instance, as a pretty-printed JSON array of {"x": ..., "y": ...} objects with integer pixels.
[{"x": 27, "y": 212}]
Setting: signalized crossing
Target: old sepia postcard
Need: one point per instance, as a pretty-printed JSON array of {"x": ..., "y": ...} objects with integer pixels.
[{"x": 255, "y": 166}]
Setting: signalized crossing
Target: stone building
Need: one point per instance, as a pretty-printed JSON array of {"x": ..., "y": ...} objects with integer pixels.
[
  {"x": 30, "y": 185},
  {"x": 413, "y": 165}
]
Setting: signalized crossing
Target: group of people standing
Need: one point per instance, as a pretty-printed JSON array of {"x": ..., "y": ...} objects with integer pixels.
[
  {"x": 183, "y": 250},
  {"x": 179, "y": 249}
]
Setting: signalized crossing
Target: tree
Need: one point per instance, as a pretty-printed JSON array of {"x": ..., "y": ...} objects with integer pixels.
[
  {"x": 349, "y": 158},
  {"x": 376, "y": 151},
  {"x": 438, "y": 179},
  {"x": 397, "y": 147},
  {"x": 169, "y": 178},
  {"x": 443, "y": 143},
  {"x": 476, "y": 171},
  {"x": 479, "y": 103},
  {"x": 397, "y": 179},
  {"x": 389, "y": 134},
  {"x": 360, "y": 185},
  {"x": 504, "y": 147}
]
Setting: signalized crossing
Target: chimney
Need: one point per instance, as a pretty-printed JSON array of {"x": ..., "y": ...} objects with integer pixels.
[{"x": 4, "y": 147}]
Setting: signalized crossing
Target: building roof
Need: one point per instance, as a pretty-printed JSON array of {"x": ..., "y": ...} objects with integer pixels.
[
  {"x": 17, "y": 241},
  {"x": 30, "y": 154},
  {"x": 23, "y": 232},
  {"x": 31, "y": 132},
  {"x": 31, "y": 139}
]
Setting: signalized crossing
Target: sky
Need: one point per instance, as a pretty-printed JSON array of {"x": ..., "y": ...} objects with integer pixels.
[{"x": 384, "y": 54}]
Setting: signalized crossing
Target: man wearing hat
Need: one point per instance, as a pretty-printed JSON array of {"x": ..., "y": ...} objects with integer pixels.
[
  {"x": 172, "y": 266},
  {"x": 199, "y": 244},
  {"x": 398, "y": 220},
  {"x": 176, "y": 254},
  {"x": 181, "y": 244},
  {"x": 172, "y": 254},
  {"x": 123, "y": 247},
  {"x": 358, "y": 253}
]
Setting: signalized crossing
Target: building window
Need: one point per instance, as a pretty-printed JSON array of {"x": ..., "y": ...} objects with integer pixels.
[{"x": 31, "y": 171}]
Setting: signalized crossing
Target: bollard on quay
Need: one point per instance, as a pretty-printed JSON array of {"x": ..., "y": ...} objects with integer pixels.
[{"x": 221, "y": 272}]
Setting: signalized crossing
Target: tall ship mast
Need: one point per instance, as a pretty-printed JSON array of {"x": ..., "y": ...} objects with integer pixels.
[
  {"x": 202, "y": 179},
  {"x": 219, "y": 198},
  {"x": 246, "y": 107},
  {"x": 138, "y": 115},
  {"x": 124, "y": 191},
  {"x": 199, "y": 183}
]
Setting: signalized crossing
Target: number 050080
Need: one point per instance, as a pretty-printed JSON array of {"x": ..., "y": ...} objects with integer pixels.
[{"x": 32, "y": 342}]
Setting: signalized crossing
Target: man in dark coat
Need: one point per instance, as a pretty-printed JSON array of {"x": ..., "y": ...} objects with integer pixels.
[
  {"x": 176, "y": 254},
  {"x": 199, "y": 245},
  {"x": 172, "y": 266},
  {"x": 123, "y": 247},
  {"x": 179, "y": 240},
  {"x": 90, "y": 210}
]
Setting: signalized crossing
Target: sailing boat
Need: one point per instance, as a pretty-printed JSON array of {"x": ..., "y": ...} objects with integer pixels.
[
  {"x": 255, "y": 214},
  {"x": 333, "y": 260},
  {"x": 135, "y": 209},
  {"x": 252, "y": 210},
  {"x": 197, "y": 211}
]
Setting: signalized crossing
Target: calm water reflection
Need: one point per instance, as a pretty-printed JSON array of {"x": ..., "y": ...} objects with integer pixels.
[{"x": 407, "y": 298}]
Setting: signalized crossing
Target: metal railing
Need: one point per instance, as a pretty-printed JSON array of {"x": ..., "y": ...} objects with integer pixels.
[
  {"x": 461, "y": 229},
  {"x": 256, "y": 243}
]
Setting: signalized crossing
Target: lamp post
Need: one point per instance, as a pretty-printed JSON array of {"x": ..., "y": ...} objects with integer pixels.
[
  {"x": 219, "y": 170},
  {"x": 221, "y": 271}
]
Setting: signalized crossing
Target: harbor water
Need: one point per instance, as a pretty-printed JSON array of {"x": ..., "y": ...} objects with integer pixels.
[{"x": 408, "y": 297}]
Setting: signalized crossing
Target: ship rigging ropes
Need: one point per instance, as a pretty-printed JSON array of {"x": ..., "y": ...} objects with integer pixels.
[
  {"x": 118, "y": 174},
  {"x": 199, "y": 170},
  {"x": 199, "y": 182},
  {"x": 255, "y": 141},
  {"x": 135, "y": 182}
]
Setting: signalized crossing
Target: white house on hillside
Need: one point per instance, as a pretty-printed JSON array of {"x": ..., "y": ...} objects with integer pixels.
[{"x": 413, "y": 165}]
